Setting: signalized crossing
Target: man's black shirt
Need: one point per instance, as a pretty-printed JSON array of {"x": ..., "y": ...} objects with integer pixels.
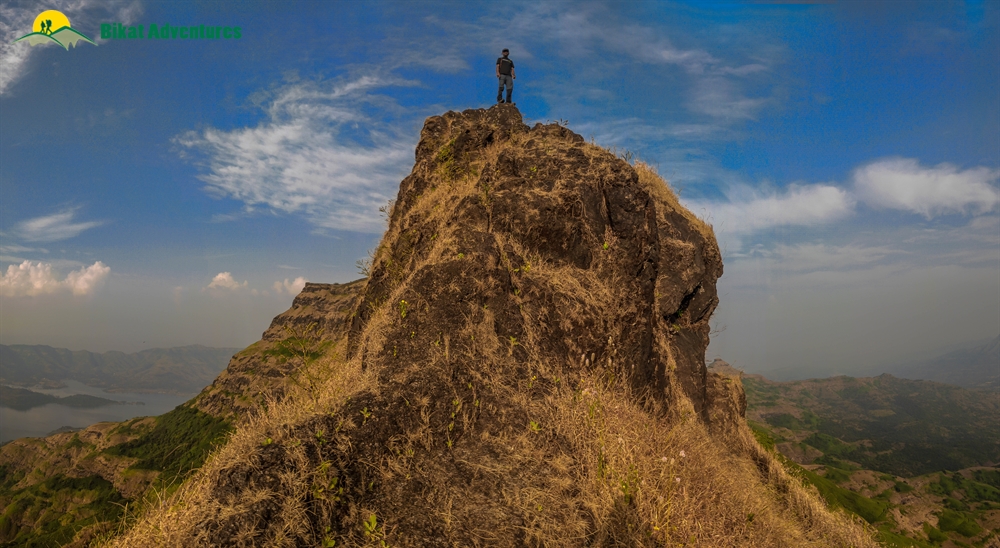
[{"x": 504, "y": 65}]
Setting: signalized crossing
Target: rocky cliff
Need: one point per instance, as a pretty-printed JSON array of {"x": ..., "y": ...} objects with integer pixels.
[{"x": 523, "y": 366}]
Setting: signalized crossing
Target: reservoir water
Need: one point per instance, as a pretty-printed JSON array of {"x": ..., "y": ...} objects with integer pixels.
[{"x": 39, "y": 421}]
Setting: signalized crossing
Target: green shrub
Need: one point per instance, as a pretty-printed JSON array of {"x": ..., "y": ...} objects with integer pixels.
[
  {"x": 902, "y": 487},
  {"x": 960, "y": 522},
  {"x": 934, "y": 534},
  {"x": 836, "y": 496}
]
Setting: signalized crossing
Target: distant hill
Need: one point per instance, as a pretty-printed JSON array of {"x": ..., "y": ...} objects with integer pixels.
[
  {"x": 976, "y": 367},
  {"x": 179, "y": 370},
  {"x": 898, "y": 426},
  {"x": 22, "y": 399},
  {"x": 917, "y": 459}
]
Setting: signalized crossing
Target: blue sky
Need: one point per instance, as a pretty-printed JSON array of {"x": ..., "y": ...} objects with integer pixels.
[{"x": 168, "y": 192}]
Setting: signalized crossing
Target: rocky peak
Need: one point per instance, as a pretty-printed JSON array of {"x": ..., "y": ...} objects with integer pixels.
[{"x": 558, "y": 244}]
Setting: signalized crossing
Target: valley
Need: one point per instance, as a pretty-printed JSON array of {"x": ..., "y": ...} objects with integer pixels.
[{"x": 916, "y": 459}]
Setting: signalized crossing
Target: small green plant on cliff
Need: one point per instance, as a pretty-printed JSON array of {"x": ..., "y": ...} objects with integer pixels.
[
  {"x": 374, "y": 532},
  {"x": 402, "y": 308},
  {"x": 302, "y": 343},
  {"x": 446, "y": 162},
  {"x": 305, "y": 346}
]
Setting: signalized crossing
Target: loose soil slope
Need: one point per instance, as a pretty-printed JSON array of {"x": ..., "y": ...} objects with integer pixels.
[{"x": 524, "y": 366}]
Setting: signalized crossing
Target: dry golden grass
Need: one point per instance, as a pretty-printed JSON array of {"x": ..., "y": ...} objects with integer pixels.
[
  {"x": 688, "y": 489},
  {"x": 172, "y": 520}
]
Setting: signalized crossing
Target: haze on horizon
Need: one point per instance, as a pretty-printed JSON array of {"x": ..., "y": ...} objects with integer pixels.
[{"x": 166, "y": 193}]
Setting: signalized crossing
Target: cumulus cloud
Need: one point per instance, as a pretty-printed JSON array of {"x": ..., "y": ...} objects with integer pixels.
[
  {"x": 54, "y": 227},
  {"x": 291, "y": 288},
  {"x": 902, "y": 183},
  {"x": 37, "y": 278},
  {"x": 16, "y": 18},
  {"x": 225, "y": 281},
  {"x": 799, "y": 205},
  {"x": 301, "y": 159}
]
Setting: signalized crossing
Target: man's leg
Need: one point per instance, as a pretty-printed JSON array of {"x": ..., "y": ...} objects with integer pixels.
[
  {"x": 510, "y": 88},
  {"x": 500, "y": 90}
]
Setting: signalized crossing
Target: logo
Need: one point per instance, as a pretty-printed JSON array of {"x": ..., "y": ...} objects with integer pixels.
[{"x": 52, "y": 26}]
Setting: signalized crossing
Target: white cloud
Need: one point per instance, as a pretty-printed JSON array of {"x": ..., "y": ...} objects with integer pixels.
[
  {"x": 16, "y": 18},
  {"x": 224, "y": 280},
  {"x": 292, "y": 288},
  {"x": 55, "y": 227},
  {"x": 31, "y": 279},
  {"x": 800, "y": 205},
  {"x": 299, "y": 161},
  {"x": 902, "y": 183}
]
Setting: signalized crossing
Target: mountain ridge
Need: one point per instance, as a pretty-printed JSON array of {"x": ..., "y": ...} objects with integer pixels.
[{"x": 177, "y": 370}]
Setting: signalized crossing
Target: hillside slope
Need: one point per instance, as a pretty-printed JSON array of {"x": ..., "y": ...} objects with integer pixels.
[
  {"x": 524, "y": 366},
  {"x": 914, "y": 458}
]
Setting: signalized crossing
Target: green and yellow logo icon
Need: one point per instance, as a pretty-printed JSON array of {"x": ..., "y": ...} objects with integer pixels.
[{"x": 52, "y": 26}]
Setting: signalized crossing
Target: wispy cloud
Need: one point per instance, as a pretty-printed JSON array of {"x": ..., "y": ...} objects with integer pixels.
[
  {"x": 902, "y": 183},
  {"x": 16, "y": 18},
  {"x": 14, "y": 248},
  {"x": 317, "y": 153},
  {"x": 37, "y": 278},
  {"x": 54, "y": 227},
  {"x": 816, "y": 256}
]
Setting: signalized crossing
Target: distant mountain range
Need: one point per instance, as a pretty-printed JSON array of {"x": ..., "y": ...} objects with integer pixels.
[
  {"x": 976, "y": 367},
  {"x": 973, "y": 366},
  {"x": 179, "y": 370}
]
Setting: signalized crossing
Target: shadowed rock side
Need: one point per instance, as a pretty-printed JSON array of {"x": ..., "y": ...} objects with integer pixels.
[{"x": 532, "y": 294}]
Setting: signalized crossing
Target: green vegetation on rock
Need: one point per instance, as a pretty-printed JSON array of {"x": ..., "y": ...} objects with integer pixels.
[{"x": 178, "y": 443}]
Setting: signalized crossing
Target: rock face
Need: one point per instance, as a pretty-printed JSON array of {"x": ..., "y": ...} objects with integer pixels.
[
  {"x": 517, "y": 261},
  {"x": 550, "y": 199},
  {"x": 319, "y": 312}
]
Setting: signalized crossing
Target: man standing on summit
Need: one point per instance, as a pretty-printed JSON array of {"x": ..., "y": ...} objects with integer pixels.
[{"x": 505, "y": 75}]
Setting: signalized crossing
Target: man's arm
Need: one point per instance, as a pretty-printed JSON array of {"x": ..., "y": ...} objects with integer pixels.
[
  {"x": 513, "y": 76},
  {"x": 498, "y": 68}
]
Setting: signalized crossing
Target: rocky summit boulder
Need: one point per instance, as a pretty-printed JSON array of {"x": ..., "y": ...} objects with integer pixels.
[{"x": 523, "y": 366}]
